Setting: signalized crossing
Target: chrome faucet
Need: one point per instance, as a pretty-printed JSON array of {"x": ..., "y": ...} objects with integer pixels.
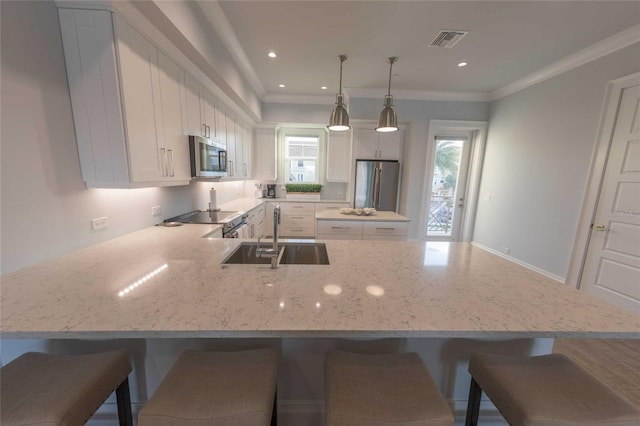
[{"x": 272, "y": 252}]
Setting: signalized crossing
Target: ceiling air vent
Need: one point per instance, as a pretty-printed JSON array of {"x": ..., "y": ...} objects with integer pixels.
[{"x": 448, "y": 38}]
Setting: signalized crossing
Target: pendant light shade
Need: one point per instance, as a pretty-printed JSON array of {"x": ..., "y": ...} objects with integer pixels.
[
  {"x": 388, "y": 120},
  {"x": 339, "y": 120}
]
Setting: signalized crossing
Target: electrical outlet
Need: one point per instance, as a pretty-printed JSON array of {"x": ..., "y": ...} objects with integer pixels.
[
  {"x": 99, "y": 223},
  {"x": 155, "y": 211},
  {"x": 505, "y": 250}
]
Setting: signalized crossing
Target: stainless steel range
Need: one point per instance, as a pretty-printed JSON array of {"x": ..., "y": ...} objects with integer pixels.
[{"x": 231, "y": 221}]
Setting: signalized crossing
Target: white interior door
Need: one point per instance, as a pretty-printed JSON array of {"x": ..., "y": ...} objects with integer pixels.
[{"x": 612, "y": 265}]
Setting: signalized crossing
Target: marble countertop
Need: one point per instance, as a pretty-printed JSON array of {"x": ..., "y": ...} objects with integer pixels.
[
  {"x": 376, "y": 217},
  {"x": 168, "y": 282}
]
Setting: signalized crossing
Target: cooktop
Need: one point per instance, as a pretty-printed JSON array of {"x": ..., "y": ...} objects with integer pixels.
[{"x": 206, "y": 216}]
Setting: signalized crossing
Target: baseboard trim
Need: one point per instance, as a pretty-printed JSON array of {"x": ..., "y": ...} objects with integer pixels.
[{"x": 554, "y": 277}]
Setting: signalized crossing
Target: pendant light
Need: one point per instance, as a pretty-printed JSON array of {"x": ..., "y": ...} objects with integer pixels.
[
  {"x": 388, "y": 121},
  {"x": 339, "y": 120}
]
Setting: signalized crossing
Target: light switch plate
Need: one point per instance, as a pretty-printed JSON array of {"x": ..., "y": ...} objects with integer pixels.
[
  {"x": 155, "y": 211},
  {"x": 99, "y": 223}
]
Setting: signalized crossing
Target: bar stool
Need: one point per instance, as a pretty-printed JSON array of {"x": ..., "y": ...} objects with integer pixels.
[
  {"x": 390, "y": 389},
  {"x": 40, "y": 388},
  {"x": 221, "y": 388},
  {"x": 544, "y": 390}
]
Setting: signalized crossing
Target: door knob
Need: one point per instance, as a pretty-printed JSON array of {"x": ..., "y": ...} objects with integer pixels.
[{"x": 600, "y": 228}]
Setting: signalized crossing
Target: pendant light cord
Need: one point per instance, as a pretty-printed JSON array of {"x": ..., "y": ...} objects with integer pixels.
[{"x": 390, "y": 60}]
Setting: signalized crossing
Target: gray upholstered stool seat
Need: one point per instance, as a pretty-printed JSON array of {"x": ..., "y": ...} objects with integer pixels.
[
  {"x": 216, "y": 388},
  {"x": 390, "y": 389},
  {"x": 50, "y": 390},
  {"x": 545, "y": 390}
]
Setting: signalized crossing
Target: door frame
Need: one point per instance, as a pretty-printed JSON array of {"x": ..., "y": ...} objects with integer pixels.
[
  {"x": 478, "y": 139},
  {"x": 599, "y": 157}
]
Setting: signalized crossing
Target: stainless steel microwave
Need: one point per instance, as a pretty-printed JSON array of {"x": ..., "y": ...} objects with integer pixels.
[{"x": 208, "y": 158}]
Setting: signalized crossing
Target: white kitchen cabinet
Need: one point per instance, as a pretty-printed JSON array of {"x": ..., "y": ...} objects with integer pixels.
[
  {"x": 247, "y": 150},
  {"x": 221, "y": 123},
  {"x": 255, "y": 220},
  {"x": 232, "y": 156},
  {"x": 338, "y": 156},
  {"x": 194, "y": 125},
  {"x": 173, "y": 139},
  {"x": 297, "y": 220},
  {"x": 361, "y": 230},
  {"x": 330, "y": 206},
  {"x": 208, "y": 108},
  {"x": 265, "y": 147},
  {"x": 117, "y": 79},
  {"x": 372, "y": 145},
  {"x": 396, "y": 231}
]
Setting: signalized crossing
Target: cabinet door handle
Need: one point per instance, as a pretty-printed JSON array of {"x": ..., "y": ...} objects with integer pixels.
[
  {"x": 339, "y": 227},
  {"x": 230, "y": 167},
  {"x": 163, "y": 161},
  {"x": 170, "y": 154},
  {"x": 204, "y": 127},
  {"x": 208, "y": 131},
  {"x": 386, "y": 229}
]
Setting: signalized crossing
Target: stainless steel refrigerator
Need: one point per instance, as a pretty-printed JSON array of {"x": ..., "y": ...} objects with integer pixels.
[{"x": 377, "y": 184}]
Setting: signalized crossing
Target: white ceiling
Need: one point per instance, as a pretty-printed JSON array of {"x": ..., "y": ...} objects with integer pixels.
[{"x": 508, "y": 40}]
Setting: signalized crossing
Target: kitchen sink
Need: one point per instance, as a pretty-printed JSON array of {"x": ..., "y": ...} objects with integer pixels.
[
  {"x": 290, "y": 254},
  {"x": 245, "y": 254},
  {"x": 304, "y": 254}
]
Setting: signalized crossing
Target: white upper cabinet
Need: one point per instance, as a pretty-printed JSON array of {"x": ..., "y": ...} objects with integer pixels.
[
  {"x": 265, "y": 146},
  {"x": 117, "y": 81},
  {"x": 193, "y": 93},
  {"x": 232, "y": 162},
  {"x": 221, "y": 123},
  {"x": 172, "y": 122},
  {"x": 247, "y": 150},
  {"x": 338, "y": 156},
  {"x": 372, "y": 145}
]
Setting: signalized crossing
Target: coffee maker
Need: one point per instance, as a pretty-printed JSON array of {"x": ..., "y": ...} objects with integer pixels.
[{"x": 271, "y": 191}]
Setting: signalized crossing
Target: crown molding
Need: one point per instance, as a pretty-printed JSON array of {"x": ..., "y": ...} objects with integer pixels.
[
  {"x": 300, "y": 99},
  {"x": 595, "y": 51},
  {"x": 214, "y": 14},
  {"x": 419, "y": 95}
]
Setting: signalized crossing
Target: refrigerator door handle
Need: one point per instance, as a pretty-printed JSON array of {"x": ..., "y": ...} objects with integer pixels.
[{"x": 376, "y": 188}]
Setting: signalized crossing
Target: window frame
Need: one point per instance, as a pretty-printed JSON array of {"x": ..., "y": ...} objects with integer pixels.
[{"x": 283, "y": 160}]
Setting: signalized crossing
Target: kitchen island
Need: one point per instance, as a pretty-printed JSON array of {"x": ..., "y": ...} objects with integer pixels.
[{"x": 168, "y": 282}]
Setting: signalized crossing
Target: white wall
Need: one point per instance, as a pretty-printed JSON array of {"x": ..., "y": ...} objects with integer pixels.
[
  {"x": 537, "y": 158},
  {"x": 46, "y": 210}
]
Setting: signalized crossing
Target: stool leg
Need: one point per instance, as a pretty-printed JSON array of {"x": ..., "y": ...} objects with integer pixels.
[
  {"x": 473, "y": 407},
  {"x": 274, "y": 413},
  {"x": 124, "y": 404}
]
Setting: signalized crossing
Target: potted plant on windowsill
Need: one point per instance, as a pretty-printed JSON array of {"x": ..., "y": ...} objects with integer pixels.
[{"x": 303, "y": 191}]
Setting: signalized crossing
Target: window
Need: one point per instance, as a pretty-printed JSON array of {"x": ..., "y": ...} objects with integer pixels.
[{"x": 301, "y": 158}]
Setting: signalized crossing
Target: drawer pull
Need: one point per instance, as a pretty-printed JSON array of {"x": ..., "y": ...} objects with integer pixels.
[
  {"x": 386, "y": 229},
  {"x": 297, "y": 207},
  {"x": 339, "y": 227},
  {"x": 297, "y": 217}
]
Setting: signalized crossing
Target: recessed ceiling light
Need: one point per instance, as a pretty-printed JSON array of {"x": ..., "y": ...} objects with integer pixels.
[
  {"x": 324, "y": 87},
  {"x": 272, "y": 54},
  {"x": 462, "y": 64},
  {"x": 280, "y": 85}
]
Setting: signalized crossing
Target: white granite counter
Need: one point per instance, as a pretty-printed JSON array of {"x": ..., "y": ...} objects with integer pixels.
[
  {"x": 379, "y": 216},
  {"x": 168, "y": 282}
]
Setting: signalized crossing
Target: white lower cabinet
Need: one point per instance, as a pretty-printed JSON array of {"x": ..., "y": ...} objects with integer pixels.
[
  {"x": 385, "y": 230},
  {"x": 361, "y": 230},
  {"x": 297, "y": 220},
  {"x": 255, "y": 221}
]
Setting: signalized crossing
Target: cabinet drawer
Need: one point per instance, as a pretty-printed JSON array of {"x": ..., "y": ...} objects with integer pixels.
[
  {"x": 386, "y": 228},
  {"x": 296, "y": 231},
  {"x": 297, "y": 208},
  {"x": 341, "y": 227}
]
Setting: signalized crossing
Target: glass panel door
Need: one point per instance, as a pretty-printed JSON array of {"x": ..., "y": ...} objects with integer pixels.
[{"x": 448, "y": 185}]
